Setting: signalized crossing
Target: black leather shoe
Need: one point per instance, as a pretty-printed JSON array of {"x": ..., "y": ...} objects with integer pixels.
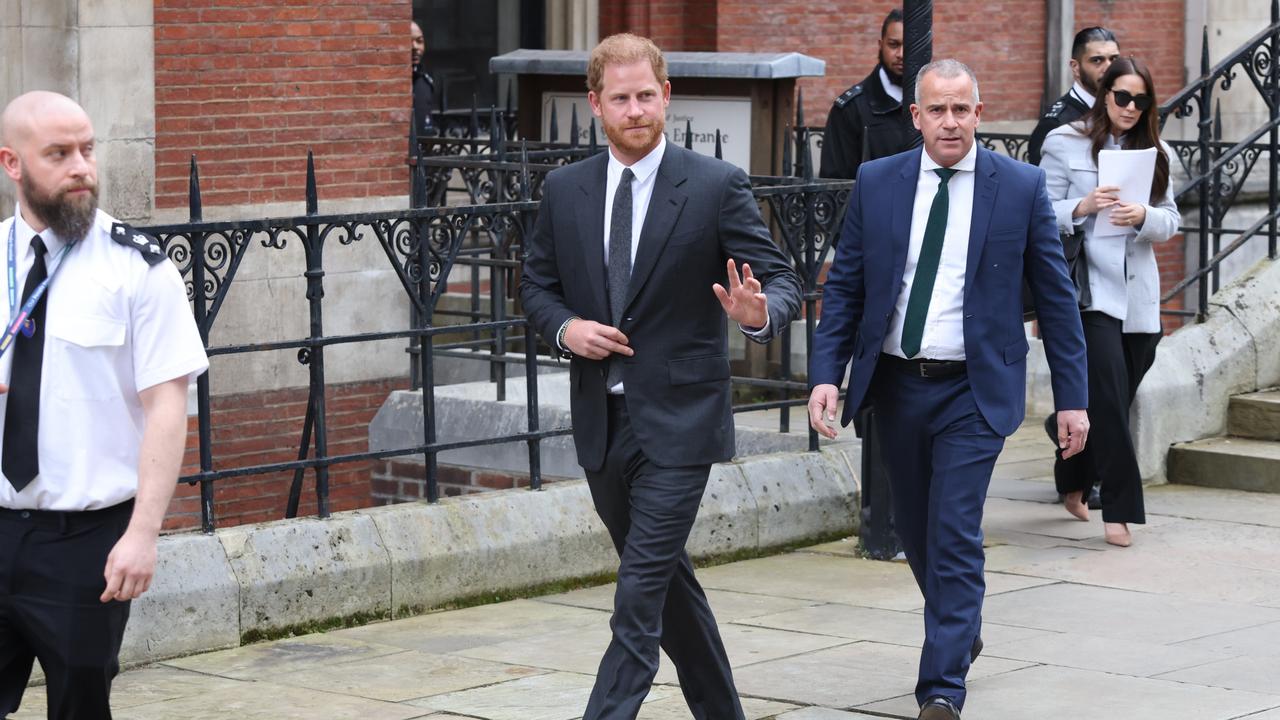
[
  {"x": 1095, "y": 499},
  {"x": 938, "y": 708},
  {"x": 976, "y": 649}
]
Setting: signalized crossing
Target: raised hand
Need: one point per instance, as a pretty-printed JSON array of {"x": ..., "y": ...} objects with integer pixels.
[{"x": 743, "y": 302}]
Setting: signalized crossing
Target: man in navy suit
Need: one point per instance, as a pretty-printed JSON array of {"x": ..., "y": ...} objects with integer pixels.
[{"x": 924, "y": 296}]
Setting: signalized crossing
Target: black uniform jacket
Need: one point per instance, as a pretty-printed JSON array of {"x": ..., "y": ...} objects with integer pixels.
[
  {"x": 865, "y": 113},
  {"x": 1067, "y": 109}
]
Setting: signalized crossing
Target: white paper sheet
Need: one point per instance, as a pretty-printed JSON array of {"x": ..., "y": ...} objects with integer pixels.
[{"x": 1132, "y": 171}]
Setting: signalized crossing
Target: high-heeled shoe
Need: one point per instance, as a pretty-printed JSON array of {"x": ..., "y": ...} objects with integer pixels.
[
  {"x": 1117, "y": 534},
  {"x": 1075, "y": 504}
]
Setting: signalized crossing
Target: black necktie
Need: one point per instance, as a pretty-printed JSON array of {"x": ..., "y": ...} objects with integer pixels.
[
  {"x": 21, "y": 460},
  {"x": 935, "y": 231},
  {"x": 619, "y": 262}
]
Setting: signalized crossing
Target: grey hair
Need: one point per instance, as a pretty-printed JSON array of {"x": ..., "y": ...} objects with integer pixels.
[{"x": 947, "y": 68}]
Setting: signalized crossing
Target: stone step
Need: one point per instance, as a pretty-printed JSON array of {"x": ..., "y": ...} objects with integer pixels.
[
  {"x": 1227, "y": 462},
  {"x": 1256, "y": 415}
]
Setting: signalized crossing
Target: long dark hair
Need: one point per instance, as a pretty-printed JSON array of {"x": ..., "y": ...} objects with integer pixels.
[{"x": 1145, "y": 134}]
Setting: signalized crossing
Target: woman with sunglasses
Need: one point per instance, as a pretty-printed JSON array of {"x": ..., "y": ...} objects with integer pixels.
[{"x": 1122, "y": 317}]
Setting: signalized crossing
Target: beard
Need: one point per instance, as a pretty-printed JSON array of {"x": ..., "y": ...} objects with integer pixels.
[
  {"x": 632, "y": 142},
  {"x": 69, "y": 217},
  {"x": 1089, "y": 84},
  {"x": 895, "y": 78}
]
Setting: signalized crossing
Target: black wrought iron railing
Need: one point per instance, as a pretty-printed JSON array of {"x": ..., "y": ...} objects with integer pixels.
[{"x": 426, "y": 247}]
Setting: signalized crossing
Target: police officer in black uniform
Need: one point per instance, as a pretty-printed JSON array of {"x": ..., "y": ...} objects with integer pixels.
[
  {"x": 424, "y": 86},
  {"x": 1092, "y": 51},
  {"x": 867, "y": 121}
]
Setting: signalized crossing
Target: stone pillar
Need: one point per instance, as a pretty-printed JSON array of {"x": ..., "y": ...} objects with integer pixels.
[
  {"x": 101, "y": 53},
  {"x": 1060, "y": 30},
  {"x": 573, "y": 24}
]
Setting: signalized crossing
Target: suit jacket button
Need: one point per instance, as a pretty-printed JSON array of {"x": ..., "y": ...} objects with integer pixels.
[{"x": 626, "y": 319}]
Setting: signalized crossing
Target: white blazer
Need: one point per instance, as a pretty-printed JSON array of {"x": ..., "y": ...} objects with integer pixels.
[{"x": 1123, "y": 277}]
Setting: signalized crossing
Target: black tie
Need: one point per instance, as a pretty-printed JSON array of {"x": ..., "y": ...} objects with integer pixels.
[
  {"x": 619, "y": 262},
  {"x": 21, "y": 461}
]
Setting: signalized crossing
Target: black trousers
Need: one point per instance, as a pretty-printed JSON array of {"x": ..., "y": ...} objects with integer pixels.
[
  {"x": 1117, "y": 363},
  {"x": 51, "y": 566},
  {"x": 649, "y": 511}
]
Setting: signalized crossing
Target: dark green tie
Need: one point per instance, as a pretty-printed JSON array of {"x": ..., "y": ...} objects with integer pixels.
[{"x": 935, "y": 231}]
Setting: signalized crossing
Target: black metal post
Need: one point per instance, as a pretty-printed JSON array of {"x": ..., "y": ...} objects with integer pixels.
[
  {"x": 314, "y": 248},
  {"x": 1204, "y": 140},
  {"x": 917, "y": 39},
  {"x": 1215, "y": 198},
  {"x": 203, "y": 406},
  {"x": 1273, "y": 85}
]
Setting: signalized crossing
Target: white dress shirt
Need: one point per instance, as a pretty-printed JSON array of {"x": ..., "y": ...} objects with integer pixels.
[
  {"x": 1083, "y": 95},
  {"x": 646, "y": 174},
  {"x": 893, "y": 91},
  {"x": 943, "y": 337},
  {"x": 114, "y": 326}
]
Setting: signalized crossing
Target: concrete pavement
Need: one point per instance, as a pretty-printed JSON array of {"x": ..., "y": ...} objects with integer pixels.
[{"x": 1184, "y": 625}]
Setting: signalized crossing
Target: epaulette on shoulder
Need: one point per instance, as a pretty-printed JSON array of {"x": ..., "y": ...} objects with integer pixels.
[
  {"x": 848, "y": 95},
  {"x": 145, "y": 244},
  {"x": 1056, "y": 109}
]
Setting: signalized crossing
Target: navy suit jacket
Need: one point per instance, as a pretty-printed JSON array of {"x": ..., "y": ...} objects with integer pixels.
[{"x": 1013, "y": 232}]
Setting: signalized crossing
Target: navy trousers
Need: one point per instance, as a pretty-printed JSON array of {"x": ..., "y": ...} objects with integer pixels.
[
  {"x": 649, "y": 511},
  {"x": 939, "y": 452}
]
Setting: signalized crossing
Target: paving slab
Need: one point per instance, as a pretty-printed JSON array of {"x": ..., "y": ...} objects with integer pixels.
[
  {"x": 554, "y": 696},
  {"x": 443, "y": 632},
  {"x": 1045, "y": 691},
  {"x": 580, "y": 650},
  {"x": 1232, "y": 506},
  {"x": 852, "y": 674},
  {"x": 268, "y": 701},
  {"x": 1207, "y": 560},
  {"x": 259, "y": 661},
  {"x": 675, "y": 708},
  {"x": 867, "y": 583},
  {"x": 1258, "y": 641},
  {"x": 1117, "y": 656},
  {"x": 404, "y": 676},
  {"x": 884, "y": 626},
  {"x": 1072, "y": 608},
  {"x": 1256, "y": 674},
  {"x": 727, "y": 606},
  {"x": 817, "y": 713}
]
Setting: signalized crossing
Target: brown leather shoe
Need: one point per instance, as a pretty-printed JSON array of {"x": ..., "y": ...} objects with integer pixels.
[{"x": 938, "y": 708}]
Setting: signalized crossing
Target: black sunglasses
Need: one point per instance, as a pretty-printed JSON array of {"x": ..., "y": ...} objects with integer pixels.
[{"x": 1124, "y": 97}]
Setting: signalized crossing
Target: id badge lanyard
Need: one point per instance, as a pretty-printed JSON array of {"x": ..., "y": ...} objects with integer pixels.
[{"x": 18, "y": 316}]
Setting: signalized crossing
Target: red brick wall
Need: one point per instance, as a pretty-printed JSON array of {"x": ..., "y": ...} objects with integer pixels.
[
  {"x": 1007, "y": 56},
  {"x": 675, "y": 25},
  {"x": 259, "y": 428},
  {"x": 249, "y": 85}
]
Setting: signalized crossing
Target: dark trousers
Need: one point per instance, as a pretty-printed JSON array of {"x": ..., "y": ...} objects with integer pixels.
[
  {"x": 649, "y": 511},
  {"x": 939, "y": 452},
  {"x": 1117, "y": 363},
  {"x": 51, "y": 568}
]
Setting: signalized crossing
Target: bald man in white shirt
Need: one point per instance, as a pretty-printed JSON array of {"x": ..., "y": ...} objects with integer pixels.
[{"x": 99, "y": 347}]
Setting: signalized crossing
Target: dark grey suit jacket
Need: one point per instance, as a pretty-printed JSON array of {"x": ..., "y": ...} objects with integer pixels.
[{"x": 677, "y": 384}]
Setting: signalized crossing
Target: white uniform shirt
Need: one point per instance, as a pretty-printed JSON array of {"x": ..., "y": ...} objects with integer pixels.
[
  {"x": 943, "y": 337},
  {"x": 114, "y": 326}
]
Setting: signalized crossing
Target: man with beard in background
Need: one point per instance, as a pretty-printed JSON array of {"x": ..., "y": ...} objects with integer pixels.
[
  {"x": 1092, "y": 52},
  {"x": 867, "y": 121},
  {"x": 98, "y": 350},
  {"x": 620, "y": 275}
]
